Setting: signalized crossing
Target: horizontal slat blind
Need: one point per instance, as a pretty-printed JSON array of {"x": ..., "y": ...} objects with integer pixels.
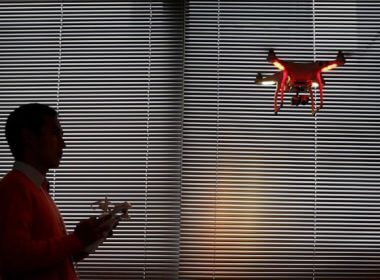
[
  {"x": 348, "y": 146},
  {"x": 29, "y": 39},
  {"x": 117, "y": 84},
  {"x": 121, "y": 60},
  {"x": 290, "y": 196},
  {"x": 254, "y": 198}
]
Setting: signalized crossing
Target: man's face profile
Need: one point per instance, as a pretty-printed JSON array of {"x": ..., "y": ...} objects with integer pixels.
[{"x": 46, "y": 146}]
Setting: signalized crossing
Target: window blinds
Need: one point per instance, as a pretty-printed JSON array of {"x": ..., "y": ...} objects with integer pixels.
[
  {"x": 113, "y": 70},
  {"x": 257, "y": 196},
  {"x": 290, "y": 196},
  {"x": 28, "y": 52},
  {"x": 347, "y": 143}
]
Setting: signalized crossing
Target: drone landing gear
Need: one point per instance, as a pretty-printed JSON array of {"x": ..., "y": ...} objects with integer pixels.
[
  {"x": 317, "y": 110},
  {"x": 320, "y": 84},
  {"x": 282, "y": 88},
  {"x": 277, "y": 109}
]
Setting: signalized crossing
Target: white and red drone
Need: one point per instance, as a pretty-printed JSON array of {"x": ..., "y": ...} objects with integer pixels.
[{"x": 298, "y": 77}]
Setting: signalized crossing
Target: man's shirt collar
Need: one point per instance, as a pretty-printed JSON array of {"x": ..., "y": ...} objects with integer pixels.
[{"x": 29, "y": 171}]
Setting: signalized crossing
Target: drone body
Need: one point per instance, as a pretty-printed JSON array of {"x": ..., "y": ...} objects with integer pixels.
[
  {"x": 110, "y": 208},
  {"x": 298, "y": 77}
]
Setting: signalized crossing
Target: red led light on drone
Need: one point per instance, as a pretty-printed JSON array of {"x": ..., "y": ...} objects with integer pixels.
[
  {"x": 329, "y": 67},
  {"x": 279, "y": 65}
]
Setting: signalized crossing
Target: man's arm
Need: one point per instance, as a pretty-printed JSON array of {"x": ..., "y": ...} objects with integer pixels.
[{"x": 19, "y": 252}]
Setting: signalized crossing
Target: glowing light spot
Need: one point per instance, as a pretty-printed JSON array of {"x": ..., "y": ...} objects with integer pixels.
[
  {"x": 329, "y": 67},
  {"x": 268, "y": 83},
  {"x": 314, "y": 84},
  {"x": 278, "y": 65}
]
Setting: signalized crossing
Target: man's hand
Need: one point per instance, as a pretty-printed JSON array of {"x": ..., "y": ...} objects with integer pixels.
[
  {"x": 93, "y": 229},
  {"x": 80, "y": 256}
]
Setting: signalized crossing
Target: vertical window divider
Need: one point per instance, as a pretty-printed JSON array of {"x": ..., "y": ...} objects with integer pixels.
[
  {"x": 58, "y": 83},
  {"x": 147, "y": 140},
  {"x": 182, "y": 118},
  {"x": 315, "y": 155},
  {"x": 217, "y": 138}
]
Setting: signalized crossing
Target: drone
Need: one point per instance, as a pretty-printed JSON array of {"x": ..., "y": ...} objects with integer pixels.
[
  {"x": 298, "y": 77},
  {"x": 110, "y": 208},
  {"x": 117, "y": 212}
]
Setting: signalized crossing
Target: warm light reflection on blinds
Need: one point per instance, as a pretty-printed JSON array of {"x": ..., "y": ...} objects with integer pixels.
[{"x": 288, "y": 196}]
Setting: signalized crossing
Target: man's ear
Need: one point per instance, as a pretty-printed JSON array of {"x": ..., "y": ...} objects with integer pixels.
[{"x": 28, "y": 138}]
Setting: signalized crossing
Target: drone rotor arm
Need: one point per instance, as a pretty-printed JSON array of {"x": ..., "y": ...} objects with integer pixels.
[
  {"x": 330, "y": 65},
  {"x": 273, "y": 59},
  {"x": 268, "y": 80},
  {"x": 278, "y": 63}
]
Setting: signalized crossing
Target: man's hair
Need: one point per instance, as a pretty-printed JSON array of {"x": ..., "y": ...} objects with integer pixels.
[{"x": 29, "y": 116}]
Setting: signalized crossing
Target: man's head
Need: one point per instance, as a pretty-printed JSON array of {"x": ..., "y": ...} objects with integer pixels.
[{"x": 34, "y": 135}]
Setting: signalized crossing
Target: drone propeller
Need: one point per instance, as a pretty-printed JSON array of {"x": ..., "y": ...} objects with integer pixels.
[
  {"x": 259, "y": 78},
  {"x": 271, "y": 55}
]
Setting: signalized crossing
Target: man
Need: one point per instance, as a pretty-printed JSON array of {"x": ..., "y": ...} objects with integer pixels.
[{"x": 34, "y": 244}]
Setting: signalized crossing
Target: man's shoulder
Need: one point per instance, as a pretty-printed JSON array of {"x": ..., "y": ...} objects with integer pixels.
[{"x": 14, "y": 181}]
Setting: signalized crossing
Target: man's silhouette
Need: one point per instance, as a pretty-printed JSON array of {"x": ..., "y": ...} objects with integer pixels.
[{"x": 34, "y": 243}]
